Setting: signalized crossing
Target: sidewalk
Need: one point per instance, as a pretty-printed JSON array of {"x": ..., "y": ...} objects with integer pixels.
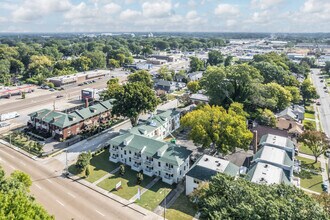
[
  {"x": 153, "y": 182},
  {"x": 105, "y": 176}
]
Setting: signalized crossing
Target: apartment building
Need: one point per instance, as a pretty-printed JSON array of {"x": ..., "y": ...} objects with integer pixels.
[
  {"x": 61, "y": 125},
  {"x": 150, "y": 156}
]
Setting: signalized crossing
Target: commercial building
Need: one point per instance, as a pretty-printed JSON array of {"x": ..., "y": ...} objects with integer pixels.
[
  {"x": 207, "y": 167},
  {"x": 77, "y": 77},
  {"x": 62, "y": 125}
]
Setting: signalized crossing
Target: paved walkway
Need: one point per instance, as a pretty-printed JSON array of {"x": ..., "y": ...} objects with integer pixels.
[
  {"x": 310, "y": 191},
  {"x": 153, "y": 182},
  {"x": 105, "y": 176}
]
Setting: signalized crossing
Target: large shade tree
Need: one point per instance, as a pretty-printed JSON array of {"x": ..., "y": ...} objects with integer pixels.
[
  {"x": 216, "y": 127},
  {"x": 225, "y": 197}
]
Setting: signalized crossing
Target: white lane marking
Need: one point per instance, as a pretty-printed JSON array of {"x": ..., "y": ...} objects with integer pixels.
[
  {"x": 71, "y": 195},
  {"x": 14, "y": 168},
  {"x": 37, "y": 186},
  {"x": 8, "y": 154},
  {"x": 22, "y": 163},
  {"x": 60, "y": 202},
  {"x": 100, "y": 213},
  {"x": 49, "y": 181}
]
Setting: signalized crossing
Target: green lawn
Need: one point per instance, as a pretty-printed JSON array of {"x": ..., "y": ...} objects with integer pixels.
[
  {"x": 310, "y": 180},
  {"x": 309, "y": 115},
  {"x": 153, "y": 197},
  {"x": 304, "y": 149},
  {"x": 313, "y": 123},
  {"x": 128, "y": 183},
  {"x": 309, "y": 109},
  {"x": 182, "y": 209},
  {"x": 99, "y": 166}
]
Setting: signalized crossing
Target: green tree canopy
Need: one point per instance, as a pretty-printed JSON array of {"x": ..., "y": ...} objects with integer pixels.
[
  {"x": 196, "y": 64},
  {"x": 218, "y": 128},
  {"x": 134, "y": 99},
  {"x": 215, "y": 58},
  {"x": 142, "y": 76},
  {"x": 308, "y": 91},
  {"x": 228, "y": 198},
  {"x": 316, "y": 141},
  {"x": 193, "y": 86}
]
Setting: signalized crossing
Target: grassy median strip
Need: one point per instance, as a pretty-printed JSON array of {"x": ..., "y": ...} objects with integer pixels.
[
  {"x": 309, "y": 115},
  {"x": 129, "y": 186},
  {"x": 153, "y": 197},
  {"x": 181, "y": 209}
]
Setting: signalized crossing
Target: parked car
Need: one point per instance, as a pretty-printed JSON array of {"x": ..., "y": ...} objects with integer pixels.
[
  {"x": 321, "y": 80},
  {"x": 318, "y": 103},
  {"x": 325, "y": 187},
  {"x": 52, "y": 90},
  {"x": 59, "y": 96},
  {"x": 80, "y": 84},
  {"x": 4, "y": 124}
]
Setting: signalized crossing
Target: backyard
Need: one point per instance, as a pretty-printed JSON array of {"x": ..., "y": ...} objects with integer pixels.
[
  {"x": 181, "y": 209},
  {"x": 129, "y": 186},
  {"x": 310, "y": 177}
]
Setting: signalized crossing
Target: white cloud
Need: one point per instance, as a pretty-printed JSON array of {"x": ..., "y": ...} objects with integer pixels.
[
  {"x": 112, "y": 8},
  {"x": 34, "y": 9},
  {"x": 226, "y": 9},
  {"x": 129, "y": 14},
  {"x": 156, "y": 9},
  {"x": 80, "y": 11},
  {"x": 265, "y": 4},
  {"x": 231, "y": 22}
]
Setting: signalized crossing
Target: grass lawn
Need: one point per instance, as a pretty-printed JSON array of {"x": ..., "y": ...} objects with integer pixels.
[
  {"x": 310, "y": 109},
  {"x": 128, "y": 183},
  {"x": 313, "y": 122},
  {"x": 304, "y": 149},
  {"x": 153, "y": 197},
  {"x": 182, "y": 209},
  {"x": 99, "y": 166},
  {"x": 310, "y": 180},
  {"x": 309, "y": 115}
]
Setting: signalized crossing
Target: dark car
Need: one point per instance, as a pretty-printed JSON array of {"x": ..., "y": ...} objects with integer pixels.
[
  {"x": 59, "y": 96},
  {"x": 80, "y": 84}
]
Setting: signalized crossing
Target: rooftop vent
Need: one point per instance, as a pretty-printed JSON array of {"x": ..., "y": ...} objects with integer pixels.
[
  {"x": 266, "y": 165},
  {"x": 219, "y": 164},
  {"x": 206, "y": 159}
]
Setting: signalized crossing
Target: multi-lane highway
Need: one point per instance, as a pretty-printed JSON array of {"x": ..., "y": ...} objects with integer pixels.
[
  {"x": 64, "y": 198},
  {"x": 324, "y": 108}
]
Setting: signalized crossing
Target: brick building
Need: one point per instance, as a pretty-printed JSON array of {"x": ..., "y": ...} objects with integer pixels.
[{"x": 62, "y": 125}]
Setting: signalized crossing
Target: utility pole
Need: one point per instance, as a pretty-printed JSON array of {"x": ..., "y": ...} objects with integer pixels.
[
  {"x": 164, "y": 204},
  {"x": 66, "y": 162}
]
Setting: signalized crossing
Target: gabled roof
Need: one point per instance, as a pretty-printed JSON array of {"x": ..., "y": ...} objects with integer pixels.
[
  {"x": 173, "y": 154},
  {"x": 275, "y": 140},
  {"x": 273, "y": 155},
  {"x": 287, "y": 112}
]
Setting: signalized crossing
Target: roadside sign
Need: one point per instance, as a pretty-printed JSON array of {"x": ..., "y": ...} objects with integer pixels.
[
  {"x": 138, "y": 194},
  {"x": 118, "y": 185}
]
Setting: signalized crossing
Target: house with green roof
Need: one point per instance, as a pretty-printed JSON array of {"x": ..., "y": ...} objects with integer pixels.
[
  {"x": 150, "y": 156},
  {"x": 159, "y": 126},
  {"x": 62, "y": 125},
  {"x": 205, "y": 168}
]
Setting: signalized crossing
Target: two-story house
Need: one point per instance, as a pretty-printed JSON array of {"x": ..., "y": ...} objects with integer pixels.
[{"x": 150, "y": 156}]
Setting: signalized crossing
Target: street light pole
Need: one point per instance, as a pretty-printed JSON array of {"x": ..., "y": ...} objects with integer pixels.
[
  {"x": 66, "y": 162},
  {"x": 164, "y": 205}
]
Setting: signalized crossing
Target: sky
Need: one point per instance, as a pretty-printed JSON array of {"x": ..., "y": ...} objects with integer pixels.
[{"x": 164, "y": 15}]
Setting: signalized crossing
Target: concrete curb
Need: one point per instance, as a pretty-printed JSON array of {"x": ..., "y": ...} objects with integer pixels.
[{"x": 19, "y": 150}]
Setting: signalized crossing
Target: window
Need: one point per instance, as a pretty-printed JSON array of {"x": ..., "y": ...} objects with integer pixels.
[
  {"x": 159, "y": 164},
  {"x": 125, "y": 152},
  {"x": 180, "y": 172},
  {"x": 184, "y": 168},
  {"x": 121, "y": 156},
  {"x": 196, "y": 181},
  {"x": 129, "y": 159},
  {"x": 129, "y": 152}
]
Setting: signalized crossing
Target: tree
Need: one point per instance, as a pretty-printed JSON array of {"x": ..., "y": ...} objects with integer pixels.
[
  {"x": 122, "y": 169},
  {"x": 22, "y": 178},
  {"x": 114, "y": 63},
  {"x": 266, "y": 117},
  {"x": 134, "y": 99},
  {"x": 215, "y": 58},
  {"x": 113, "y": 87},
  {"x": 40, "y": 65},
  {"x": 83, "y": 160},
  {"x": 324, "y": 200},
  {"x": 142, "y": 76},
  {"x": 97, "y": 58},
  {"x": 87, "y": 171},
  {"x": 161, "y": 45},
  {"x": 82, "y": 63},
  {"x": 165, "y": 74},
  {"x": 228, "y": 198},
  {"x": 15, "y": 202},
  {"x": 196, "y": 64},
  {"x": 228, "y": 60},
  {"x": 213, "y": 81},
  {"x": 295, "y": 93},
  {"x": 139, "y": 177},
  {"x": 308, "y": 91},
  {"x": 327, "y": 67},
  {"x": 274, "y": 96},
  {"x": 316, "y": 141},
  {"x": 217, "y": 128},
  {"x": 193, "y": 86}
]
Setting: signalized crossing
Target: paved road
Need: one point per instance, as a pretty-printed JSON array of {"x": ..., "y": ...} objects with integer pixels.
[
  {"x": 324, "y": 108},
  {"x": 65, "y": 198}
]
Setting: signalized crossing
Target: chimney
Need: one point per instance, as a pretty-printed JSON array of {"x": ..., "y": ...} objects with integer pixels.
[
  {"x": 255, "y": 141},
  {"x": 86, "y": 103}
]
